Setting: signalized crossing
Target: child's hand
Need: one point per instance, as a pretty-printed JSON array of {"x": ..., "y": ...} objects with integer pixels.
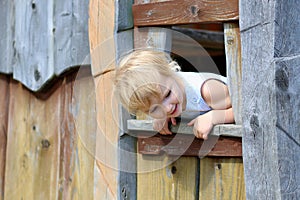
[
  {"x": 161, "y": 125},
  {"x": 202, "y": 125}
]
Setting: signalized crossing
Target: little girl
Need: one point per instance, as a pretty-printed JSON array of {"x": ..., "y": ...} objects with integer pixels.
[{"x": 149, "y": 81}]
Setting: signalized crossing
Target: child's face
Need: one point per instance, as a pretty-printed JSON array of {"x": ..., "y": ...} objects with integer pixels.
[{"x": 172, "y": 99}]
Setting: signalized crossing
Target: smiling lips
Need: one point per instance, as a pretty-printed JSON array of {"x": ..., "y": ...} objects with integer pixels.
[{"x": 174, "y": 110}]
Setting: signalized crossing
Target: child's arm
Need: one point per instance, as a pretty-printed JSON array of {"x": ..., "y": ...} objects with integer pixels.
[{"x": 216, "y": 95}]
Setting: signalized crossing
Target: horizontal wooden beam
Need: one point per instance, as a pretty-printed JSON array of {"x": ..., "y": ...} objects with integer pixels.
[
  {"x": 184, "y": 142},
  {"x": 145, "y": 126},
  {"x": 184, "y": 12},
  {"x": 188, "y": 145}
]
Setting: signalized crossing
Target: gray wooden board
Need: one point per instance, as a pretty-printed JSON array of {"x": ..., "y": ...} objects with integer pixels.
[
  {"x": 270, "y": 92},
  {"x": 288, "y": 125},
  {"x": 6, "y": 39},
  {"x": 127, "y": 176},
  {"x": 142, "y": 126},
  {"x": 287, "y": 43},
  {"x": 127, "y": 188},
  {"x": 41, "y": 39},
  {"x": 124, "y": 15}
]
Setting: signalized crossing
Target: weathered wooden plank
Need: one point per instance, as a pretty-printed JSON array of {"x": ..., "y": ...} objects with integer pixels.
[
  {"x": 42, "y": 39},
  {"x": 107, "y": 138},
  {"x": 78, "y": 133},
  {"x": 106, "y": 177},
  {"x": 140, "y": 126},
  {"x": 4, "y": 100},
  {"x": 222, "y": 178},
  {"x": 187, "y": 145},
  {"x": 163, "y": 177},
  {"x": 128, "y": 168},
  {"x": 288, "y": 124},
  {"x": 270, "y": 98},
  {"x": 7, "y": 13},
  {"x": 69, "y": 34},
  {"x": 107, "y": 46},
  {"x": 33, "y": 61},
  {"x": 184, "y": 12},
  {"x": 287, "y": 44},
  {"x": 33, "y": 141},
  {"x": 124, "y": 15},
  {"x": 234, "y": 68}
]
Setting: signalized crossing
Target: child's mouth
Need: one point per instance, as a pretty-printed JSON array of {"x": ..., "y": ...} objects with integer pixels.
[{"x": 174, "y": 111}]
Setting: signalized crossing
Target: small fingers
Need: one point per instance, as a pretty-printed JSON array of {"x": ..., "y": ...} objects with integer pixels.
[{"x": 200, "y": 135}]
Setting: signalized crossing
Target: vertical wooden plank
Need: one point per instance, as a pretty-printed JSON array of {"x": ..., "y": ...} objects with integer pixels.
[
  {"x": 102, "y": 49},
  {"x": 106, "y": 46},
  {"x": 159, "y": 180},
  {"x": 78, "y": 132},
  {"x": 33, "y": 62},
  {"x": 270, "y": 51},
  {"x": 61, "y": 26},
  {"x": 4, "y": 99},
  {"x": 107, "y": 138},
  {"x": 33, "y": 142},
  {"x": 221, "y": 178},
  {"x": 7, "y": 16},
  {"x": 70, "y": 34},
  {"x": 234, "y": 67}
]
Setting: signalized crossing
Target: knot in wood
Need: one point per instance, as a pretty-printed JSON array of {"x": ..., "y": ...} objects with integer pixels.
[
  {"x": 254, "y": 123},
  {"x": 230, "y": 40},
  {"x": 282, "y": 79},
  {"x": 33, "y": 6},
  {"x": 37, "y": 75},
  {"x": 194, "y": 10},
  {"x": 45, "y": 144}
]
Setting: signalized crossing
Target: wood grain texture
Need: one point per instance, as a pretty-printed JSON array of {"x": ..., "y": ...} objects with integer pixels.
[
  {"x": 234, "y": 67},
  {"x": 221, "y": 179},
  {"x": 288, "y": 125},
  {"x": 101, "y": 29},
  {"x": 4, "y": 100},
  {"x": 187, "y": 145},
  {"x": 146, "y": 126},
  {"x": 42, "y": 39},
  {"x": 107, "y": 138},
  {"x": 159, "y": 180},
  {"x": 33, "y": 142},
  {"x": 46, "y": 158},
  {"x": 184, "y": 12},
  {"x": 109, "y": 40},
  {"x": 270, "y": 98},
  {"x": 78, "y": 133}
]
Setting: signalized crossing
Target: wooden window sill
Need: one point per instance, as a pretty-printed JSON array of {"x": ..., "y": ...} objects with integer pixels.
[{"x": 183, "y": 142}]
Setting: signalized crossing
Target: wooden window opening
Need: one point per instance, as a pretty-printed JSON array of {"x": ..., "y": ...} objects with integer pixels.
[{"x": 215, "y": 27}]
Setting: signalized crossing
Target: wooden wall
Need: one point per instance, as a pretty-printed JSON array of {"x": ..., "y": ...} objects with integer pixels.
[
  {"x": 41, "y": 39},
  {"x": 271, "y": 90},
  {"x": 184, "y": 179},
  {"x": 43, "y": 139}
]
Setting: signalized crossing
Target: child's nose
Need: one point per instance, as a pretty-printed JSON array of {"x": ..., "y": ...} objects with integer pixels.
[{"x": 167, "y": 107}]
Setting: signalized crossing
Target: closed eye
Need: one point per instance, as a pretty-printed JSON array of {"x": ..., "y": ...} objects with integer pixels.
[
  {"x": 168, "y": 94},
  {"x": 153, "y": 109}
]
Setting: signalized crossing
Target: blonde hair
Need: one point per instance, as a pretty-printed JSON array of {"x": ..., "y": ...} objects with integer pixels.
[{"x": 136, "y": 79}]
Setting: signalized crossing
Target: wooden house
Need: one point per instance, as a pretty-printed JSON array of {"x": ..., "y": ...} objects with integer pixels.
[{"x": 64, "y": 136}]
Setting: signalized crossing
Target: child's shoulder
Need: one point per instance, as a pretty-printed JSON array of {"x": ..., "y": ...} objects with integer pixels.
[{"x": 202, "y": 76}]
